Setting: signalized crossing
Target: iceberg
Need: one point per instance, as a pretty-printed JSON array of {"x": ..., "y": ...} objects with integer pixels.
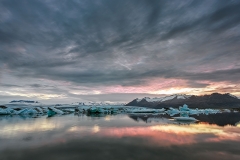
[
  {"x": 17, "y": 111},
  {"x": 172, "y": 111},
  {"x": 102, "y": 110},
  {"x": 30, "y": 111},
  {"x": 95, "y": 110},
  {"x": 227, "y": 110},
  {"x": 146, "y": 110},
  {"x": 52, "y": 111},
  {"x": 194, "y": 111},
  {"x": 184, "y": 108},
  {"x": 6, "y": 110},
  {"x": 39, "y": 110},
  {"x": 20, "y": 111}
]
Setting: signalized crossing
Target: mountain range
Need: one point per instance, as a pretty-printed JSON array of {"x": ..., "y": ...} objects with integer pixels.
[{"x": 214, "y": 100}]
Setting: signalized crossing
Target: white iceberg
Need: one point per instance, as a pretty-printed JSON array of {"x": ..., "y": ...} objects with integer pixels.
[{"x": 52, "y": 110}]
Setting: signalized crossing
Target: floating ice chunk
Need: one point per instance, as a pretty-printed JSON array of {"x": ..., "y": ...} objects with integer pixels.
[
  {"x": 6, "y": 110},
  {"x": 96, "y": 110},
  {"x": 44, "y": 109},
  {"x": 21, "y": 111},
  {"x": 93, "y": 110},
  {"x": 51, "y": 113},
  {"x": 39, "y": 110},
  {"x": 145, "y": 110},
  {"x": 184, "y": 108},
  {"x": 57, "y": 111},
  {"x": 69, "y": 110},
  {"x": 172, "y": 111},
  {"x": 227, "y": 110},
  {"x": 30, "y": 111},
  {"x": 211, "y": 111},
  {"x": 194, "y": 111}
]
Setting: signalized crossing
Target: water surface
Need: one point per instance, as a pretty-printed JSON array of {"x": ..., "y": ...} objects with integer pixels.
[{"x": 136, "y": 136}]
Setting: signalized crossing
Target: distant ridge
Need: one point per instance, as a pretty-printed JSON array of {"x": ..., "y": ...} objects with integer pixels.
[
  {"x": 23, "y": 101},
  {"x": 214, "y": 100}
]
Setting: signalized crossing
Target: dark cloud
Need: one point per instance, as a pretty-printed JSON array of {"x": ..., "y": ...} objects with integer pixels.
[
  {"x": 221, "y": 18},
  {"x": 195, "y": 84},
  {"x": 110, "y": 42},
  {"x": 231, "y": 74},
  {"x": 9, "y": 85},
  {"x": 128, "y": 78}
]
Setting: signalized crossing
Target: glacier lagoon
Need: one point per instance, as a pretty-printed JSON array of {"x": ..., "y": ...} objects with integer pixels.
[{"x": 121, "y": 136}]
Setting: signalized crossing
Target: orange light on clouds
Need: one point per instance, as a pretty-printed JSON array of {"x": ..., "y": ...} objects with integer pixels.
[{"x": 175, "y": 86}]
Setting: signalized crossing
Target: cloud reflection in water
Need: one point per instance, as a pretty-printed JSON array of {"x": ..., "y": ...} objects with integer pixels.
[{"x": 71, "y": 137}]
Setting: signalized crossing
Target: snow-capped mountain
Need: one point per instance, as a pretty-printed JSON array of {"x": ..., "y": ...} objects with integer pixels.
[
  {"x": 214, "y": 100},
  {"x": 162, "y": 99}
]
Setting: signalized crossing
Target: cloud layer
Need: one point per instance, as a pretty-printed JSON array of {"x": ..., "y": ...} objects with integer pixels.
[{"x": 92, "y": 47}]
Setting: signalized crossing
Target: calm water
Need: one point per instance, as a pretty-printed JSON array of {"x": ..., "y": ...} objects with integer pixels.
[{"x": 123, "y": 137}]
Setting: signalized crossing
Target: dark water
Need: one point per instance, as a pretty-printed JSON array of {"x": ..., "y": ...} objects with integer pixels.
[{"x": 119, "y": 137}]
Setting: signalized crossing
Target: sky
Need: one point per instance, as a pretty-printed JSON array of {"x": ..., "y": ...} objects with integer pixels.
[{"x": 117, "y": 50}]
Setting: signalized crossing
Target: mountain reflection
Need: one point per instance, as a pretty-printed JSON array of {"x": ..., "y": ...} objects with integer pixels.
[{"x": 220, "y": 119}]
